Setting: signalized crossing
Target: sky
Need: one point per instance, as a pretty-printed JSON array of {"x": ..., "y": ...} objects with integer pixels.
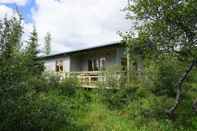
[{"x": 73, "y": 24}]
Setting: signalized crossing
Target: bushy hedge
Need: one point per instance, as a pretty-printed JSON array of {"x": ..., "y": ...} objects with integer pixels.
[{"x": 40, "y": 107}]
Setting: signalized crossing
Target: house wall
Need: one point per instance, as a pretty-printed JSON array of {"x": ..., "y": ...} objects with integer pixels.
[
  {"x": 50, "y": 64},
  {"x": 79, "y": 61},
  {"x": 75, "y": 63}
]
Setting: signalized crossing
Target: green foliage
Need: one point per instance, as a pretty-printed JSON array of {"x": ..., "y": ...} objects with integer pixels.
[
  {"x": 168, "y": 24},
  {"x": 162, "y": 45},
  {"x": 33, "y": 100},
  {"x": 113, "y": 80},
  {"x": 51, "y": 112},
  {"x": 69, "y": 86},
  {"x": 24, "y": 103},
  {"x": 35, "y": 66},
  {"x": 118, "y": 98},
  {"x": 10, "y": 36},
  {"x": 169, "y": 71}
]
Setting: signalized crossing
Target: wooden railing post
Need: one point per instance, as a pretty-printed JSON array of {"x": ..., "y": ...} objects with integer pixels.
[{"x": 89, "y": 78}]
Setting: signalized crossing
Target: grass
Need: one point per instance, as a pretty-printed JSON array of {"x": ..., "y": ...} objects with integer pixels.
[
  {"x": 92, "y": 114},
  {"x": 99, "y": 118}
]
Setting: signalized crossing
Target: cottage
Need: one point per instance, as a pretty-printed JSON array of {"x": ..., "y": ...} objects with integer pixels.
[{"x": 86, "y": 63}]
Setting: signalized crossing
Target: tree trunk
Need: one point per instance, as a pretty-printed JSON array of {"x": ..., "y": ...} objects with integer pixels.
[
  {"x": 140, "y": 67},
  {"x": 171, "y": 111},
  {"x": 128, "y": 65}
]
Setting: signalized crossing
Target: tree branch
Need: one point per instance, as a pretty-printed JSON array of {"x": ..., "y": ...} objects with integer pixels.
[{"x": 171, "y": 111}]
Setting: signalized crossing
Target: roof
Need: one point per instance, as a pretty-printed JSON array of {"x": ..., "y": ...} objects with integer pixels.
[{"x": 80, "y": 50}]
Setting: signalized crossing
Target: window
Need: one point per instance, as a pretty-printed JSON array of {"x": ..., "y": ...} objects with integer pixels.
[
  {"x": 59, "y": 67},
  {"x": 102, "y": 63},
  {"x": 90, "y": 68},
  {"x": 96, "y": 64}
]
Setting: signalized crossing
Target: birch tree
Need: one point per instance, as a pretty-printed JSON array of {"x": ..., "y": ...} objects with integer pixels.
[{"x": 166, "y": 27}]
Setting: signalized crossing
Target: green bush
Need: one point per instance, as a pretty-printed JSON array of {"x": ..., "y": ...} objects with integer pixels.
[
  {"x": 69, "y": 86},
  {"x": 114, "y": 78},
  {"x": 51, "y": 112},
  {"x": 40, "y": 111},
  {"x": 118, "y": 98}
]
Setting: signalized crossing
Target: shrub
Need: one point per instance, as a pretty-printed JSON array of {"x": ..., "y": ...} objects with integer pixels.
[
  {"x": 51, "y": 112},
  {"x": 69, "y": 86},
  {"x": 40, "y": 111},
  {"x": 114, "y": 77},
  {"x": 118, "y": 98}
]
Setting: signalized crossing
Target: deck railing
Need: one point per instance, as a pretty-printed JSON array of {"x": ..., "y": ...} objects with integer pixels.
[{"x": 92, "y": 78}]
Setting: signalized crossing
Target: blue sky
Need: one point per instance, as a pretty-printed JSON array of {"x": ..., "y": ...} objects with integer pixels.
[
  {"x": 24, "y": 9},
  {"x": 74, "y": 24}
]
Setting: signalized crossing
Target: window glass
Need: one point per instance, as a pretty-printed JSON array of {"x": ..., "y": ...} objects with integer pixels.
[
  {"x": 59, "y": 67},
  {"x": 102, "y": 63},
  {"x": 90, "y": 68},
  {"x": 96, "y": 64}
]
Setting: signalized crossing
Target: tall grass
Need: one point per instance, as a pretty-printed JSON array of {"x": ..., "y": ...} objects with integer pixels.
[{"x": 91, "y": 113}]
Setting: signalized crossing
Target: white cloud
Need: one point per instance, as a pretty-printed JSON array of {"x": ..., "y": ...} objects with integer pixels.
[
  {"x": 80, "y": 23},
  {"x": 18, "y": 2},
  {"x": 27, "y": 29},
  {"x": 6, "y": 12}
]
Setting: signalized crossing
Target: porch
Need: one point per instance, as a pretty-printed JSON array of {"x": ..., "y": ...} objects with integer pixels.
[{"x": 90, "y": 79}]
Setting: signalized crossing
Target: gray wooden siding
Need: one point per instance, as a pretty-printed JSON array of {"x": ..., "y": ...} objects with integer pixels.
[
  {"x": 79, "y": 61},
  {"x": 50, "y": 64}
]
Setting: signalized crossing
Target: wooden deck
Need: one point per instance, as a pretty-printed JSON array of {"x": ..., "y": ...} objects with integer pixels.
[{"x": 90, "y": 79}]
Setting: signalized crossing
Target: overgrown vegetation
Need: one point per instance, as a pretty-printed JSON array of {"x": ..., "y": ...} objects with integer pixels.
[
  {"x": 165, "y": 38},
  {"x": 158, "y": 92}
]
